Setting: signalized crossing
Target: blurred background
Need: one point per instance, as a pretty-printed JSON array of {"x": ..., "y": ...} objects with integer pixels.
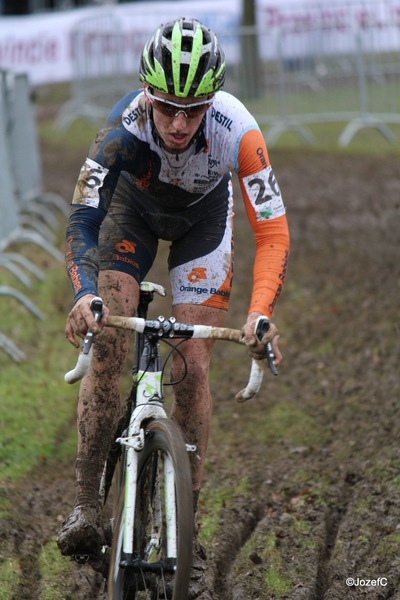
[
  {"x": 319, "y": 451},
  {"x": 296, "y": 63}
]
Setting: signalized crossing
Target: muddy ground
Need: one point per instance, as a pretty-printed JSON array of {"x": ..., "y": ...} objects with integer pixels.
[{"x": 311, "y": 468}]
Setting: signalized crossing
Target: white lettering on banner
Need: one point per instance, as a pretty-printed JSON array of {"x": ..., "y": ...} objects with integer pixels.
[
  {"x": 14, "y": 52},
  {"x": 41, "y": 44}
]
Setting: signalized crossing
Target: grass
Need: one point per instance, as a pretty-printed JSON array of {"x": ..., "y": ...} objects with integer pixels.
[
  {"x": 268, "y": 109},
  {"x": 213, "y": 499},
  {"x": 54, "y": 570},
  {"x": 9, "y": 573},
  {"x": 77, "y": 137},
  {"x": 36, "y": 404}
]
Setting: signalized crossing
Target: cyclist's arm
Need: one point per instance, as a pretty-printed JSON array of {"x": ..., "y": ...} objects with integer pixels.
[
  {"x": 93, "y": 192},
  {"x": 267, "y": 218},
  {"x": 92, "y": 196},
  {"x": 266, "y": 213}
]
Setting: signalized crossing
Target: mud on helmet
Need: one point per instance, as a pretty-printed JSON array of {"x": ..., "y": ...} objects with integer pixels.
[{"x": 183, "y": 58}]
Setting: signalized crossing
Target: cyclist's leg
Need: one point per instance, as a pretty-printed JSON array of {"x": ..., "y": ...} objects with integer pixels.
[
  {"x": 201, "y": 271},
  {"x": 192, "y": 407},
  {"x": 124, "y": 260},
  {"x": 192, "y": 410},
  {"x": 97, "y": 416}
]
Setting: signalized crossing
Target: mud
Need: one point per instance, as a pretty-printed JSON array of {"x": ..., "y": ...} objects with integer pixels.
[{"x": 312, "y": 465}]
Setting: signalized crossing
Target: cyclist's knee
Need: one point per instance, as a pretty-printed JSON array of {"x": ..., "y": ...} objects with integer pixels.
[
  {"x": 110, "y": 350},
  {"x": 120, "y": 292},
  {"x": 194, "y": 368}
]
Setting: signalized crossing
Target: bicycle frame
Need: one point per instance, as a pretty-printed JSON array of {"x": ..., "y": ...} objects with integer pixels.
[{"x": 148, "y": 405}]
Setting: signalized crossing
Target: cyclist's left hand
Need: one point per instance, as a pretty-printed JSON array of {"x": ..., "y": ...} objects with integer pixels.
[{"x": 257, "y": 350}]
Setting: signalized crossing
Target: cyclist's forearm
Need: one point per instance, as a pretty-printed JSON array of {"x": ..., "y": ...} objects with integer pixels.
[
  {"x": 81, "y": 254},
  {"x": 270, "y": 266}
]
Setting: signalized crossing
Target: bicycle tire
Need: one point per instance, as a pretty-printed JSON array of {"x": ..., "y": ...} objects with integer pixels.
[{"x": 163, "y": 437}]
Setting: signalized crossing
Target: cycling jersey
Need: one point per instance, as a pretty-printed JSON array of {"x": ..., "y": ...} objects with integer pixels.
[{"x": 163, "y": 192}]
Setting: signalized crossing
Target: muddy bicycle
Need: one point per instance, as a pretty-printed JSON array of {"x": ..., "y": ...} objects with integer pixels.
[{"x": 152, "y": 527}]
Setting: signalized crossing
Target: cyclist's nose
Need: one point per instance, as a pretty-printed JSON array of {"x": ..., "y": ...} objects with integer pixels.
[{"x": 180, "y": 120}]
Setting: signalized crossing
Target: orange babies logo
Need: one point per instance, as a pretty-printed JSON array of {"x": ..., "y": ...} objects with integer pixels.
[
  {"x": 196, "y": 274},
  {"x": 125, "y": 246}
]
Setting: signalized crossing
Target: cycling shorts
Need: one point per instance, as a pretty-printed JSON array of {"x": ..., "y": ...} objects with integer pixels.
[{"x": 200, "y": 260}]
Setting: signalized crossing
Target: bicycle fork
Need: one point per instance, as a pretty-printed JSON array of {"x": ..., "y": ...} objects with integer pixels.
[{"x": 149, "y": 406}]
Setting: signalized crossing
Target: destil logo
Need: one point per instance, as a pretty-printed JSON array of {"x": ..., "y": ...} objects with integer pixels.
[
  {"x": 196, "y": 274},
  {"x": 125, "y": 246}
]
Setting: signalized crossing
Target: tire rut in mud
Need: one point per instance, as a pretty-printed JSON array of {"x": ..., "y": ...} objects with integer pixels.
[{"x": 239, "y": 525}]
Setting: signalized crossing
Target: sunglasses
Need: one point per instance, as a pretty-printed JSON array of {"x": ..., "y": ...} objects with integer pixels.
[{"x": 172, "y": 109}]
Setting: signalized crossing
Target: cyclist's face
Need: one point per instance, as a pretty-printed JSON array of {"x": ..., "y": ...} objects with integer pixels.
[{"x": 176, "y": 128}]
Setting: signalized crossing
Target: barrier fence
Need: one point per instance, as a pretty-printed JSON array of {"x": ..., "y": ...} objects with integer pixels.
[
  {"x": 27, "y": 211},
  {"x": 337, "y": 64},
  {"x": 350, "y": 75},
  {"x": 100, "y": 73}
]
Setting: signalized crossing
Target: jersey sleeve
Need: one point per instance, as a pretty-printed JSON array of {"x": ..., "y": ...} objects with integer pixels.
[
  {"x": 92, "y": 196},
  {"x": 111, "y": 152},
  {"x": 267, "y": 217}
]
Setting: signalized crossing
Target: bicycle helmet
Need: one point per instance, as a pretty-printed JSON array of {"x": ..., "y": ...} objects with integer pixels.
[{"x": 183, "y": 58}]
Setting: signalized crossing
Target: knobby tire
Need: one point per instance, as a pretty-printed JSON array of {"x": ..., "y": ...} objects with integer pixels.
[{"x": 164, "y": 437}]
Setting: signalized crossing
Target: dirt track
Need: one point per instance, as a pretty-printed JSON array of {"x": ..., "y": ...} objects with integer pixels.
[{"x": 313, "y": 464}]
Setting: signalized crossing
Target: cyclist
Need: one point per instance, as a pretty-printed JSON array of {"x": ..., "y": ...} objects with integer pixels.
[{"x": 161, "y": 169}]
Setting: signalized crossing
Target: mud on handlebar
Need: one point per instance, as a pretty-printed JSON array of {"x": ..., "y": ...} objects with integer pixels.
[{"x": 170, "y": 328}]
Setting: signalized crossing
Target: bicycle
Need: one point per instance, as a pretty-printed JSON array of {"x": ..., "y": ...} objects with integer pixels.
[{"x": 152, "y": 530}]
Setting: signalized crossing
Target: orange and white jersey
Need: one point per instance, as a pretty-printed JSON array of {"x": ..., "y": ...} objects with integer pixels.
[{"x": 128, "y": 149}]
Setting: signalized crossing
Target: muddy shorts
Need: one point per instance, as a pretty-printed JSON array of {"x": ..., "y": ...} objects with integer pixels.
[{"x": 200, "y": 261}]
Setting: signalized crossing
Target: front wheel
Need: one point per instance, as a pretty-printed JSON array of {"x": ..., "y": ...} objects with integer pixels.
[{"x": 160, "y": 562}]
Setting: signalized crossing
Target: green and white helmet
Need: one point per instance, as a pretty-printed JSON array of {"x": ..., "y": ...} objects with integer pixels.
[{"x": 183, "y": 58}]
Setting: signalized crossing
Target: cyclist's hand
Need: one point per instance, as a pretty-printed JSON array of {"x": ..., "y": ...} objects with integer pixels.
[
  {"x": 81, "y": 318},
  {"x": 257, "y": 350}
]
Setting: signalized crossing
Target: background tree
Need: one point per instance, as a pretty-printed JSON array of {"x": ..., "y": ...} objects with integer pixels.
[{"x": 251, "y": 71}]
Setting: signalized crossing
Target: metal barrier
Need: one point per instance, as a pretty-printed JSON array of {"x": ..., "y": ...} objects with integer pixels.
[
  {"x": 21, "y": 195},
  {"x": 347, "y": 72},
  {"x": 100, "y": 77},
  {"x": 24, "y": 150}
]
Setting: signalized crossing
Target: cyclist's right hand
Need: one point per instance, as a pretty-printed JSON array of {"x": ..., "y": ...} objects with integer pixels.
[{"x": 81, "y": 318}]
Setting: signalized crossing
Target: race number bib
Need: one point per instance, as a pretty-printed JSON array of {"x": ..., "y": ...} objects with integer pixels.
[
  {"x": 90, "y": 180},
  {"x": 264, "y": 194}
]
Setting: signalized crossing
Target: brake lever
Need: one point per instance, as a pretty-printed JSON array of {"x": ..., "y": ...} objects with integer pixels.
[
  {"x": 96, "y": 306},
  {"x": 271, "y": 358},
  {"x": 261, "y": 328}
]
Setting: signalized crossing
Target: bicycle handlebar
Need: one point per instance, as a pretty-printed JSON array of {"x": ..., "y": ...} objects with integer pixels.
[{"x": 170, "y": 328}]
